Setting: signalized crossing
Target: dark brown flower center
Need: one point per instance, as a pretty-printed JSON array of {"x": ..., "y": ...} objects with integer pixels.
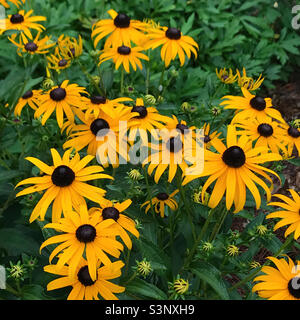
[
  {"x": 99, "y": 127},
  {"x": 86, "y": 233},
  {"x": 258, "y": 103},
  {"x": 173, "y": 33},
  {"x": 62, "y": 63},
  {"x": 207, "y": 139},
  {"x": 16, "y": 18},
  {"x": 123, "y": 50},
  {"x": 58, "y": 94},
  {"x": 98, "y": 100},
  {"x": 71, "y": 52},
  {"x": 293, "y": 132},
  {"x": 63, "y": 176},
  {"x": 31, "y": 46},
  {"x": 174, "y": 144},
  {"x": 162, "y": 196},
  {"x": 265, "y": 130},
  {"x": 234, "y": 157},
  {"x": 225, "y": 77},
  {"x": 84, "y": 277},
  {"x": 182, "y": 128},
  {"x": 27, "y": 95},
  {"x": 294, "y": 287},
  {"x": 110, "y": 213},
  {"x": 141, "y": 110},
  {"x": 122, "y": 20}
]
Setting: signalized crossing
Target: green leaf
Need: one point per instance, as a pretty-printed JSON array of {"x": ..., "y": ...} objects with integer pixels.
[
  {"x": 33, "y": 292},
  {"x": 212, "y": 276},
  {"x": 145, "y": 289}
]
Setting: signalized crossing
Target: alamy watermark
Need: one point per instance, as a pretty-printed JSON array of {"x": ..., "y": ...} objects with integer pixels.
[
  {"x": 2, "y": 278},
  {"x": 296, "y": 19}
]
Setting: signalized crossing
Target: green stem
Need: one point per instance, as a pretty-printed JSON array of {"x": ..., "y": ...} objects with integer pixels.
[
  {"x": 148, "y": 74},
  {"x": 83, "y": 69},
  {"x": 131, "y": 278},
  {"x": 149, "y": 193},
  {"x": 218, "y": 225},
  {"x": 122, "y": 81},
  {"x": 12, "y": 290}
]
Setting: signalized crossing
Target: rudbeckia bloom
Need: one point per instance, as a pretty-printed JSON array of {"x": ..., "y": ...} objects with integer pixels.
[
  {"x": 83, "y": 233},
  {"x": 69, "y": 47},
  {"x": 267, "y": 133},
  {"x": 174, "y": 43},
  {"x": 30, "y": 97},
  {"x": 233, "y": 168},
  {"x": 181, "y": 286},
  {"x": 225, "y": 76},
  {"x": 15, "y": 2},
  {"x": 104, "y": 132},
  {"x": 57, "y": 62},
  {"x": 250, "y": 107},
  {"x": 247, "y": 82},
  {"x": 95, "y": 104},
  {"x": 60, "y": 98},
  {"x": 147, "y": 120},
  {"x": 280, "y": 283},
  {"x": 289, "y": 215},
  {"x": 65, "y": 184},
  {"x": 124, "y": 55},
  {"x": 36, "y": 46},
  {"x": 292, "y": 136},
  {"x": 23, "y": 22},
  {"x": 113, "y": 210},
  {"x": 209, "y": 136},
  {"x": 161, "y": 200},
  {"x": 121, "y": 30},
  {"x": 83, "y": 287}
]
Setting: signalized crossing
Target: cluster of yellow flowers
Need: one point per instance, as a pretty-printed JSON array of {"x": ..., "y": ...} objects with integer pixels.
[{"x": 89, "y": 237}]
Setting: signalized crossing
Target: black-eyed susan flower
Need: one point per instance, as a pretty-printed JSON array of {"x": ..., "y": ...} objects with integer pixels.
[
  {"x": 209, "y": 136},
  {"x": 225, "y": 76},
  {"x": 289, "y": 215},
  {"x": 101, "y": 135},
  {"x": 254, "y": 264},
  {"x": 176, "y": 149},
  {"x": 83, "y": 286},
  {"x": 147, "y": 119},
  {"x": 292, "y": 136},
  {"x": 233, "y": 168},
  {"x": 6, "y": 5},
  {"x": 232, "y": 250},
  {"x": 57, "y": 62},
  {"x": 248, "y": 82},
  {"x": 179, "y": 125},
  {"x": 280, "y": 283},
  {"x": 65, "y": 184},
  {"x": 125, "y": 56},
  {"x": 95, "y": 104},
  {"x": 23, "y": 21},
  {"x": 266, "y": 133},
  {"x": 60, "y": 99},
  {"x": 181, "y": 286},
  {"x": 135, "y": 175},
  {"x": 69, "y": 47},
  {"x": 113, "y": 210},
  {"x": 173, "y": 43},
  {"x": 250, "y": 106},
  {"x": 121, "y": 30},
  {"x": 83, "y": 233},
  {"x": 144, "y": 268},
  {"x": 35, "y": 46},
  {"x": 30, "y": 97},
  {"x": 161, "y": 200}
]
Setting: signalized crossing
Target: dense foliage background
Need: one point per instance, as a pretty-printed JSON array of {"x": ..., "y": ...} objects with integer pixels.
[{"x": 234, "y": 34}]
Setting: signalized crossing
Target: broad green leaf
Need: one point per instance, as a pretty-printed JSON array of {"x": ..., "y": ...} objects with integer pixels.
[{"x": 139, "y": 287}]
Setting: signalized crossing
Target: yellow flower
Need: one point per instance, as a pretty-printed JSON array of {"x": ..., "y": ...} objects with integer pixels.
[
  {"x": 69, "y": 47},
  {"x": 144, "y": 267},
  {"x": 226, "y": 76},
  {"x": 160, "y": 201},
  {"x": 292, "y": 136},
  {"x": 37, "y": 46},
  {"x": 23, "y": 21},
  {"x": 15, "y": 2},
  {"x": 254, "y": 264},
  {"x": 121, "y": 30},
  {"x": 125, "y": 56},
  {"x": 84, "y": 233},
  {"x": 261, "y": 229},
  {"x": 134, "y": 174},
  {"x": 173, "y": 43},
  {"x": 57, "y": 62},
  {"x": 83, "y": 287},
  {"x": 247, "y": 82},
  {"x": 281, "y": 283},
  {"x": 65, "y": 184},
  {"x": 30, "y": 97}
]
